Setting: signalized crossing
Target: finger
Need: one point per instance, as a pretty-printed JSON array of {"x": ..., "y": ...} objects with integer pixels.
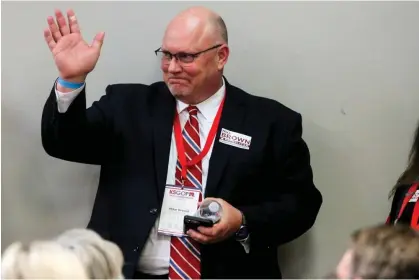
[
  {"x": 198, "y": 237},
  {"x": 98, "y": 40},
  {"x": 209, "y": 231},
  {"x": 72, "y": 21},
  {"x": 48, "y": 38},
  {"x": 213, "y": 231},
  {"x": 62, "y": 24},
  {"x": 56, "y": 34}
]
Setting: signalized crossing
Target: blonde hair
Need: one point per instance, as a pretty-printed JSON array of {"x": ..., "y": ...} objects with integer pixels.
[
  {"x": 386, "y": 252},
  {"x": 101, "y": 259},
  {"x": 40, "y": 260}
]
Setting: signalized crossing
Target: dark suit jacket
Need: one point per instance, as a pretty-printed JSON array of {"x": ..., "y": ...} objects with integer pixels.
[{"x": 128, "y": 132}]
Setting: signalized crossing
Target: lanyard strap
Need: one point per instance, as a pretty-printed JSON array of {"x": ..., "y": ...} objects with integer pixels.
[
  {"x": 415, "y": 216},
  {"x": 414, "y": 223},
  {"x": 181, "y": 149}
]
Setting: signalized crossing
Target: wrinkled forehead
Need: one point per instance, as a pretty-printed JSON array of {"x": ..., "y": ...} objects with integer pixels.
[{"x": 187, "y": 35}]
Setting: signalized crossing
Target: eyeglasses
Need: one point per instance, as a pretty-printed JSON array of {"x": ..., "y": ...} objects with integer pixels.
[{"x": 183, "y": 57}]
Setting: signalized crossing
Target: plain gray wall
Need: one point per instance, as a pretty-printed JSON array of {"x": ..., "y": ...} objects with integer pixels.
[{"x": 350, "y": 68}]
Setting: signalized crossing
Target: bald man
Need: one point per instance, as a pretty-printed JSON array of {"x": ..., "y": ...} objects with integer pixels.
[{"x": 166, "y": 147}]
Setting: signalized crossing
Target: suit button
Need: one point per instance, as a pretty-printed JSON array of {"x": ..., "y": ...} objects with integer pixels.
[
  {"x": 136, "y": 249},
  {"x": 153, "y": 211}
]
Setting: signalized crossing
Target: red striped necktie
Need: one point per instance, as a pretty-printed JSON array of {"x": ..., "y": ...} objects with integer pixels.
[{"x": 185, "y": 256}]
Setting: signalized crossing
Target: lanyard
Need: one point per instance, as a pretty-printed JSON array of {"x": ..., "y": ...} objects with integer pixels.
[
  {"x": 415, "y": 216},
  {"x": 181, "y": 149}
]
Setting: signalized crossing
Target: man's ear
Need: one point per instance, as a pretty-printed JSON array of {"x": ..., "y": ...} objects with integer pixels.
[{"x": 223, "y": 54}]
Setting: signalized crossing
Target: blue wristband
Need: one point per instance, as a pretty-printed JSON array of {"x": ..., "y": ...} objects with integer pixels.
[{"x": 68, "y": 84}]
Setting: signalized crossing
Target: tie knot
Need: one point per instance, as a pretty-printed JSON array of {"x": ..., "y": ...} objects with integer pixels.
[{"x": 192, "y": 110}]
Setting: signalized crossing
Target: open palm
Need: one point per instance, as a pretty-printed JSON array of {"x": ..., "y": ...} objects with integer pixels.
[{"x": 73, "y": 57}]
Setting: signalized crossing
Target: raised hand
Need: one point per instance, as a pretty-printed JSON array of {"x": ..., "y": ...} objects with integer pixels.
[{"x": 73, "y": 57}]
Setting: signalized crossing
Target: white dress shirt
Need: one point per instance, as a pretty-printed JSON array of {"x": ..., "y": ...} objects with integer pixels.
[{"x": 155, "y": 256}]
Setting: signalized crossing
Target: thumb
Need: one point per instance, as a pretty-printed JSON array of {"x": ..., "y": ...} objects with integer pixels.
[{"x": 98, "y": 41}]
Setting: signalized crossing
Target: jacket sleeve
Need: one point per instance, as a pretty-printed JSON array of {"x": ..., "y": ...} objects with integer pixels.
[
  {"x": 80, "y": 134},
  {"x": 295, "y": 202}
]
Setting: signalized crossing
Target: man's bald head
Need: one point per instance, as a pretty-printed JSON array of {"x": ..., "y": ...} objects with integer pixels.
[
  {"x": 201, "y": 23},
  {"x": 195, "y": 52}
]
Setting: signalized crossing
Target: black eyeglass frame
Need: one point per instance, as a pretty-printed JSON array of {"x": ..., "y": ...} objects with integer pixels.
[{"x": 184, "y": 54}]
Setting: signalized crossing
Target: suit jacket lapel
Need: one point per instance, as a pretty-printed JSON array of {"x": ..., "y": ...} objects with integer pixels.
[
  {"x": 231, "y": 119},
  {"x": 163, "y": 110}
]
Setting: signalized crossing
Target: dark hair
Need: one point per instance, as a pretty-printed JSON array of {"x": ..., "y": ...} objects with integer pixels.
[{"x": 412, "y": 170}]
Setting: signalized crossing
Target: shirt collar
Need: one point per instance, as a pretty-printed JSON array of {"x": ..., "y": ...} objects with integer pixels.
[{"x": 209, "y": 107}]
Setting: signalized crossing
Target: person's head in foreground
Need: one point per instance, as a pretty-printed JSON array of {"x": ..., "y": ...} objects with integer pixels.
[
  {"x": 75, "y": 254},
  {"x": 381, "y": 252},
  {"x": 193, "y": 54},
  {"x": 101, "y": 259},
  {"x": 40, "y": 260}
]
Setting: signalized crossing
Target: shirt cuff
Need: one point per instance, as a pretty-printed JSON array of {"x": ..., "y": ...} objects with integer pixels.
[
  {"x": 64, "y": 99},
  {"x": 246, "y": 244}
]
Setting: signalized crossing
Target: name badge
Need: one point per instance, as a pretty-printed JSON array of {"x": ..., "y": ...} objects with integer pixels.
[
  {"x": 177, "y": 202},
  {"x": 235, "y": 139},
  {"x": 415, "y": 197}
]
